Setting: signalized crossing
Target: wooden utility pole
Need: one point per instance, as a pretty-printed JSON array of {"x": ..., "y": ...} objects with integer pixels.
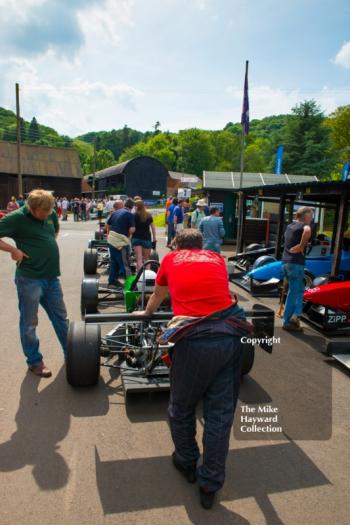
[
  {"x": 94, "y": 171},
  {"x": 19, "y": 163}
]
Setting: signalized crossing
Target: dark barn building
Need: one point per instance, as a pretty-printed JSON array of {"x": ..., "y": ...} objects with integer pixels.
[
  {"x": 142, "y": 176},
  {"x": 55, "y": 169}
]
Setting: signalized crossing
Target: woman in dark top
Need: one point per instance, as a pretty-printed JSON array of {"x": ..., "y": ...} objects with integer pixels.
[{"x": 144, "y": 237}]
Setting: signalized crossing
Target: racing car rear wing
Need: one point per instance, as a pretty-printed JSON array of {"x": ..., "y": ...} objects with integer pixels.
[
  {"x": 262, "y": 318},
  {"x": 254, "y": 254}
]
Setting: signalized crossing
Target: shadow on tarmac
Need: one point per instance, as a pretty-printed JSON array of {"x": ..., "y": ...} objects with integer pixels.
[
  {"x": 154, "y": 406},
  {"x": 254, "y": 472},
  {"x": 43, "y": 420}
]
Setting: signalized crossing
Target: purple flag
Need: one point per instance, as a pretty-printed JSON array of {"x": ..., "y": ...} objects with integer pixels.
[{"x": 245, "y": 108}]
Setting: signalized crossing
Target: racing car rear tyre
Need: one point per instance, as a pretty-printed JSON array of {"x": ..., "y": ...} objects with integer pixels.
[
  {"x": 90, "y": 262},
  {"x": 248, "y": 358},
  {"x": 264, "y": 259},
  {"x": 83, "y": 354},
  {"x": 89, "y": 296}
]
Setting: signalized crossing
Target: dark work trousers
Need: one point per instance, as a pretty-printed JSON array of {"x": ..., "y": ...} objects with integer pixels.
[{"x": 206, "y": 368}]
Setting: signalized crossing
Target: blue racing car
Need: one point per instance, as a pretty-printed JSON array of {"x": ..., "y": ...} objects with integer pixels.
[{"x": 272, "y": 272}]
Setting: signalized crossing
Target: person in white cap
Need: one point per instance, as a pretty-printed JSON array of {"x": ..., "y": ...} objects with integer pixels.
[{"x": 198, "y": 214}]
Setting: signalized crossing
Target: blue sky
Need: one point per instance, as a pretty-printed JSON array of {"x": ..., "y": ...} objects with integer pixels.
[{"x": 100, "y": 64}]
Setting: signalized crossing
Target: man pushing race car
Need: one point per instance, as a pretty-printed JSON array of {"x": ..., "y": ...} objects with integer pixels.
[{"x": 207, "y": 328}]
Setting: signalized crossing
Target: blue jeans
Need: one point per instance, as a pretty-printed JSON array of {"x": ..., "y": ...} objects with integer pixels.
[
  {"x": 48, "y": 294},
  {"x": 205, "y": 368},
  {"x": 119, "y": 264},
  {"x": 171, "y": 232},
  {"x": 212, "y": 246},
  {"x": 294, "y": 273}
]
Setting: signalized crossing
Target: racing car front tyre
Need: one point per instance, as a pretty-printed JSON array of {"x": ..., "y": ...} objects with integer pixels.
[
  {"x": 308, "y": 279},
  {"x": 83, "y": 354},
  {"x": 90, "y": 262},
  {"x": 247, "y": 358}
]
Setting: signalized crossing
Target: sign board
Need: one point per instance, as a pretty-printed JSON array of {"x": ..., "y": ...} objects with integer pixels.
[
  {"x": 219, "y": 205},
  {"x": 345, "y": 172},
  {"x": 183, "y": 193},
  {"x": 156, "y": 193},
  {"x": 279, "y": 160},
  {"x": 188, "y": 179}
]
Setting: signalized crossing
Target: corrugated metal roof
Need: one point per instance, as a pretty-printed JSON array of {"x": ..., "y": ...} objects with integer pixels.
[
  {"x": 229, "y": 180},
  {"x": 330, "y": 186}
]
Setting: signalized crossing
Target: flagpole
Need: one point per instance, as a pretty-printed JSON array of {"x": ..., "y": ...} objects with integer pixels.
[
  {"x": 243, "y": 132},
  {"x": 242, "y": 158},
  {"x": 240, "y": 221}
]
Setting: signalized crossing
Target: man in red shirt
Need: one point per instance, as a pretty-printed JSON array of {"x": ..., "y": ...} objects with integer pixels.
[{"x": 206, "y": 359}]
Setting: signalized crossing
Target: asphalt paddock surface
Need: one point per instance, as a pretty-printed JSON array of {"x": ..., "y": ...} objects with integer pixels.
[{"x": 87, "y": 457}]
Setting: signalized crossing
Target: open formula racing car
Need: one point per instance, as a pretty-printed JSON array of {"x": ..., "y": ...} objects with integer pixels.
[
  {"x": 327, "y": 308},
  {"x": 132, "y": 345},
  {"x": 267, "y": 273}
]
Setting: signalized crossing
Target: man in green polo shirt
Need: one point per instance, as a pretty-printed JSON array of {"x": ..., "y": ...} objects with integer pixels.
[{"x": 34, "y": 228}]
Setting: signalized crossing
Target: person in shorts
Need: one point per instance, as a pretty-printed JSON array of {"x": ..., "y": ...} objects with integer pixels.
[
  {"x": 144, "y": 237},
  {"x": 99, "y": 208}
]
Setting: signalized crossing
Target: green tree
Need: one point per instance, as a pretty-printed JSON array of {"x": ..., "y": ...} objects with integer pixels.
[
  {"x": 226, "y": 150},
  {"x": 85, "y": 151},
  {"x": 9, "y": 134},
  {"x": 156, "y": 127},
  {"x": 104, "y": 159},
  {"x": 159, "y": 147},
  {"x": 339, "y": 124},
  {"x": 98, "y": 142},
  {"x": 33, "y": 131},
  {"x": 196, "y": 151},
  {"x": 134, "y": 151},
  {"x": 23, "y": 128},
  {"x": 307, "y": 141},
  {"x": 254, "y": 159}
]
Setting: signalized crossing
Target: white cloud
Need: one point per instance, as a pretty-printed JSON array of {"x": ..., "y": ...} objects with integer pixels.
[
  {"x": 342, "y": 58},
  {"x": 71, "y": 107},
  {"x": 103, "y": 23},
  {"x": 265, "y": 100}
]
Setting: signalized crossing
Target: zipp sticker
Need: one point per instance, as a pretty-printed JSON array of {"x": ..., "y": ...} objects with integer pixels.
[{"x": 336, "y": 318}]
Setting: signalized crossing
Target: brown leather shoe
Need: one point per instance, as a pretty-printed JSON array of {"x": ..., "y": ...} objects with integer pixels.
[
  {"x": 295, "y": 320},
  {"x": 292, "y": 327},
  {"x": 40, "y": 370}
]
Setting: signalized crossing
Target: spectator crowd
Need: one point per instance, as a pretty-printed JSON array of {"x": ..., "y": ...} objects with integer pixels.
[{"x": 82, "y": 208}]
